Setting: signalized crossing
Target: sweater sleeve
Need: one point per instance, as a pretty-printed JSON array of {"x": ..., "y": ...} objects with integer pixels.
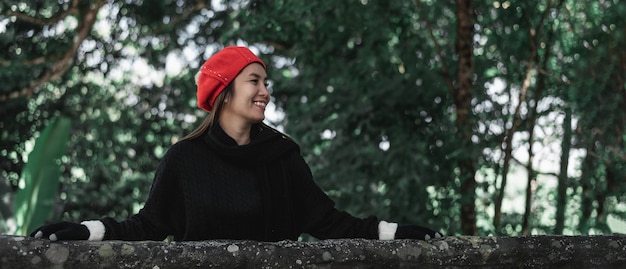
[
  {"x": 316, "y": 212},
  {"x": 163, "y": 212}
]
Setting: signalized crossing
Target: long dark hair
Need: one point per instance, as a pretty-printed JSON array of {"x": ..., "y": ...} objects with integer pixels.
[{"x": 214, "y": 115}]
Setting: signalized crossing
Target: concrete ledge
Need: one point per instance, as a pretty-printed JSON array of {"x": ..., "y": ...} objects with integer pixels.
[{"x": 608, "y": 251}]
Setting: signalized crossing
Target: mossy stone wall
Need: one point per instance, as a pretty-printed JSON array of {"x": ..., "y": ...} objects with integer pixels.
[{"x": 607, "y": 251}]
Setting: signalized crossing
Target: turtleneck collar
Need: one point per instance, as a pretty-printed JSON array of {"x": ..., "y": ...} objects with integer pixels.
[{"x": 266, "y": 144}]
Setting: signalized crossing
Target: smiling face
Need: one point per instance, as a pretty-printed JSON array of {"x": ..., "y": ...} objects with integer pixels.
[{"x": 249, "y": 98}]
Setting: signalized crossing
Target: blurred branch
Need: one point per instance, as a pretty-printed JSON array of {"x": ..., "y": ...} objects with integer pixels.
[
  {"x": 547, "y": 73},
  {"x": 46, "y": 21},
  {"x": 64, "y": 61},
  {"x": 200, "y": 5},
  {"x": 536, "y": 172},
  {"x": 39, "y": 21},
  {"x": 444, "y": 68},
  {"x": 534, "y": 34},
  {"x": 619, "y": 153}
]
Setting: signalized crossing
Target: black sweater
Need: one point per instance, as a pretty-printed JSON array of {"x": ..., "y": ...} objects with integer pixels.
[{"x": 211, "y": 188}]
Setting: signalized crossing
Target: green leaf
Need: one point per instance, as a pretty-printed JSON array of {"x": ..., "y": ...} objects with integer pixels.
[{"x": 40, "y": 177}]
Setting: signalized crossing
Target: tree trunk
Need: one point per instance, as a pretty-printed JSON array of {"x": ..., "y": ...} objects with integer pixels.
[
  {"x": 586, "y": 179},
  {"x": 507, "y": 146},
  {"x": 541, "y": 86},
  {"x": 462, "y": 100},
  {"x": 563, "y": 181}
]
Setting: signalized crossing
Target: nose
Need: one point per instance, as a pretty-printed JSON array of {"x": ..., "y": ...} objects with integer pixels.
[{"x": 264, "y": 91}]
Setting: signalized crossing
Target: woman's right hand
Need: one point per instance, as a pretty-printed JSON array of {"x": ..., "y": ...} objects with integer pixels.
[
  {"x": 416, "y": 232},
  {"x": 62, "y": 231}
]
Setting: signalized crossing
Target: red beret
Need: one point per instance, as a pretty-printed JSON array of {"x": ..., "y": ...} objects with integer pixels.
[{"x": 219, "y": 70}]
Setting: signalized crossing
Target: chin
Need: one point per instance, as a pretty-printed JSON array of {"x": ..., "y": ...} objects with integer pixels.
[{"x": 258, "y": 120}]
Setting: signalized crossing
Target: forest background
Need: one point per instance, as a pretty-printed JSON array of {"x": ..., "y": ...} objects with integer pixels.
[{"x": 471, "y": 117}]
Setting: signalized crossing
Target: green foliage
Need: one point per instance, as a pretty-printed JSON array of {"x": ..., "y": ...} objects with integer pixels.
[
  {"x": 360, "y": 107},
  {"x": 364, "y": 85},
  {"x": 39, "y": 184},
  {"x": 123, "y": 121}
]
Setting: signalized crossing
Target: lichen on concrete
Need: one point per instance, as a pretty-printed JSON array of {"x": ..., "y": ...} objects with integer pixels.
[
  {"x": 57, "y": 254},
  {"x": 450, "y": 252}
]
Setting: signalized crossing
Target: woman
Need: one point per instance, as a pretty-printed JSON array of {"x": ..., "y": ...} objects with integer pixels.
[{"x": 234, "y": 177}]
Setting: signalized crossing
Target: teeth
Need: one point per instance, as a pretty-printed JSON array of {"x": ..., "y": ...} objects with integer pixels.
[{"x": 260, "y": 104}]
